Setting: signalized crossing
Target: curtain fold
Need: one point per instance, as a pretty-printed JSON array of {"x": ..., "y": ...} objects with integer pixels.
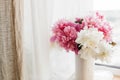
[
  {"x": 10, "y": 40},
  {"x": 40, "y": 39},
  {"x": 18, "y": 28},
  {"x": 37, "y": 19}
]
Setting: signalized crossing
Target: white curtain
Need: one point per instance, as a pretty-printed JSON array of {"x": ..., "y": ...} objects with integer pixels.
[
  {"x": 40, "y": 61},
  {"x": 36, "y": 40}
]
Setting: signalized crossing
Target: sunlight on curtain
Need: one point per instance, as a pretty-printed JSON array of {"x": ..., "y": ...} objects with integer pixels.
[
  {"x": 28, "y": 56},
  {"x": 37, "y": 13},
  {"x": 70, "y": 8}
]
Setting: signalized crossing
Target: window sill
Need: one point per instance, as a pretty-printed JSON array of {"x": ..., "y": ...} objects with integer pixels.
[{"x": 116, "y": 77}]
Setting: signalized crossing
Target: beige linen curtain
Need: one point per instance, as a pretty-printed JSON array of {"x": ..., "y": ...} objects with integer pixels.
[{"x": 10, "y": 39}]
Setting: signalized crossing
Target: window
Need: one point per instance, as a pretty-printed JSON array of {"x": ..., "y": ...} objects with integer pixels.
[{"x": 111, "y": 9}]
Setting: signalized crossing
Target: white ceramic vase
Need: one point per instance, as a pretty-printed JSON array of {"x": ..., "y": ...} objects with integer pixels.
[{"x": 84, "y": 68}]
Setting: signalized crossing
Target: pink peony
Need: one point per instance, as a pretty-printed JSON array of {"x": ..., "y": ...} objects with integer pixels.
[
  {"x": 65, "y": 34},
  {"x": 99, "y": 22},
  {"x": 65, "y": 31}
]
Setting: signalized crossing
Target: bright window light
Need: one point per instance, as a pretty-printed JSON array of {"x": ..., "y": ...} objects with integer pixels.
[{"x": 106, "y": 5}]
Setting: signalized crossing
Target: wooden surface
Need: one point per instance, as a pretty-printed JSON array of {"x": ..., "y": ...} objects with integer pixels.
[{"x": 116, "y": 77}]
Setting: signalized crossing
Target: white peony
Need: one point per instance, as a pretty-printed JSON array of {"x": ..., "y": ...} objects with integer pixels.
[
  {"x": 105, "y": 51},
  {"x": 93, "y": 44}
]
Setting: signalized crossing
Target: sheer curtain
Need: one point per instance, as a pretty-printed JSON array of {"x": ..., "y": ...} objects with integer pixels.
[
  {"x": 36, "y": 39},
  {"x": 40, "y": 61}
]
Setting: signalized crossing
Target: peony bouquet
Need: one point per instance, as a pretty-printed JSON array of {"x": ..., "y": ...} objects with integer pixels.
[{"x": 89, "y": 36}]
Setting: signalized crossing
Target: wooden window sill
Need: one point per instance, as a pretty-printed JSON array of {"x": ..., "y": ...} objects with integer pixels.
[{"x": 116, "y": 77}]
